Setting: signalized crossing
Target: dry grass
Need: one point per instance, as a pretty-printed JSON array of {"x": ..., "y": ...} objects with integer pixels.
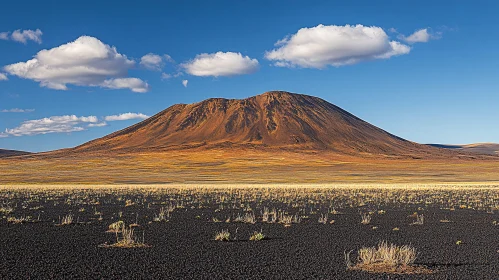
[
  {"x": 66, "y": 220},
  {"x": 365, "y": 218},
  {"x": 125, "y": 238},
  {"x": 223, "y": 235},
  {"x": 116, "y": 226},
  {"x": 419, "y": 220},
  {"x": 386, "y": 258},
  {"x": 163, "y": 216},
  {"x": 245, "y": 166},
  {"x": 257, "y": 236}
]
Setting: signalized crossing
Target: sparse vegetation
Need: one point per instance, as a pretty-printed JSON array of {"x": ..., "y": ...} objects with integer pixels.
[
  {"x": 306, "y": 208},
  {"x": 116, "y": 226},
  {"x": 223, "y": 235},
  {"x": 386, "y": 258},
  {"x": 163, "y": 216},
  {"x": 66, "y": 220},
  {"x": 125, "y": 238},
  {"x": 419, "y": 219},
  {"x": 365, "y": 218},
  {"x": 257, "y": 236}
]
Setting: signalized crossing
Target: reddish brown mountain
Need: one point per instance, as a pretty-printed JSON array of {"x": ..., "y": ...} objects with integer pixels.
[{"x": 274, "y": 119}]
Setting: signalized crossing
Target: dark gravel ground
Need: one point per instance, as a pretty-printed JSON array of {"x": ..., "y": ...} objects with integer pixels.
[{"x": 184, "y": 247}]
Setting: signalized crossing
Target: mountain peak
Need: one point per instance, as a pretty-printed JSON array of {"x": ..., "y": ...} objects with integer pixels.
[{"x": 274, "y": 119}]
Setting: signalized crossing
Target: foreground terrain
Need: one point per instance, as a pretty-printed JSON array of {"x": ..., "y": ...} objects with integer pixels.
[{"x": 49, "y": 232}]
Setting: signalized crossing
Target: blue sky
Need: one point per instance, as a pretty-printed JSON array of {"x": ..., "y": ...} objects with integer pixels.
[{"x": 436, "y": 86}]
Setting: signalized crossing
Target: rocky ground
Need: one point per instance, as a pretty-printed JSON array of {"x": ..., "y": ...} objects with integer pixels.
[{"x": 183, "y": 247}]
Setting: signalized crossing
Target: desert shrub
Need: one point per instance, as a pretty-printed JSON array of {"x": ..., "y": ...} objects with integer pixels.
[
  {"x": 116, "y": 226},
  {"x": 419, "y": 220},
  {"x": 323, "y": 219},
  {"x": 223, "y": 235},
  {"x": 257, "y": 236},
  {"x": 365, "y": 218},
  {"x": 162, "y": 216},
  {"x": 386, "y": 258},
  {"x": 125, "y": 238}
]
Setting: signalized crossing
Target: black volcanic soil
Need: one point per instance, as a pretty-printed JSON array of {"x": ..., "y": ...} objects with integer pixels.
[{"x": 183, "y": 248}]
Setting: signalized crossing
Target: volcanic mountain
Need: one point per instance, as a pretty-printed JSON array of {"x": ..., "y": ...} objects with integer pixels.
[{"x": 275, "y": 119}]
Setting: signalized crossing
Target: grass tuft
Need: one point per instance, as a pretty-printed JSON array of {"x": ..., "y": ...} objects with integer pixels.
[
  {"x": 257, "y": 236},
  {"x": 223, "y": 235},
  {"x": 386, "y": 258}
]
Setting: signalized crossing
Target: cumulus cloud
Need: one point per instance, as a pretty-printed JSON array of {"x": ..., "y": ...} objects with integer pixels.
[
  {"x": 85, "y": 62},
  {"x": 63, "y": 124},
  {"x": 184, "y": 83},
  {"x": 134, "y": 84},
  {"x": 3, "y": 77},
  {"x": 97, "y": 124},
  {"x": 55, "y": 124},
  {"x": 169, "y": 58},
  {"x": 17, "y": 110},
  {"x": 126, "y": 116},
  {"x": 332, "y": 45},
  {"x": 420, "y": 36},
  {"x": 23, "y": 36},
  {"x": 166, "y": 76},
  {"x": 4, "y": 35},
  {"x": 221, "y": 64},
  {"x": 152, "y": 61}
]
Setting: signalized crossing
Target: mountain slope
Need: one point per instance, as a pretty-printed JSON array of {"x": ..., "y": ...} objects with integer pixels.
[
  {"x": 478, "y": 148},
  {"x": 274, "y": 119},
  {"x": 9, "y": 153}
]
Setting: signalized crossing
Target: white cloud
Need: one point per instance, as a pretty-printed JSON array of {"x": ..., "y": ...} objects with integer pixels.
[
  {"x": 63, "y": 124},
  {"x": 134, "y": 84},
  {"x": 4, "y": 35},
  {"x": 152, "y": 62},
  {"x": 84, "y": 62},
  {"x": 55, "y": 124},
  {"x": 97, "y": 124},
  {"x": 420, "y": 36},
  {"x": 332, "y": 45},
  {"x": 221, "y": 64},
  {"x": 126, "y": 116},
  {"x": 23, "y": 36},
  {"x": 184, "y": 83},
  {"x": 3, "y": 77},
  {"x": 166, "y": 76},
  {"x": 17, "y": 110},
  {"x": 169, "y": 58}
]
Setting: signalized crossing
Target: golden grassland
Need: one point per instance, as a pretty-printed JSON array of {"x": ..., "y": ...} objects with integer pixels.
[
  {"x": 462, "y": 186},
  {"x": 242, "y": 167}
]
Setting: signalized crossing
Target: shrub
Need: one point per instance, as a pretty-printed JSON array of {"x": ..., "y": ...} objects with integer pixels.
[
  {"x": 257, "y": 236},
  {"x": 116, "y": 226},
  {"x": 386, "y": 258},
  {"x": 223, "y": 235},
  {"x": 365, "y": 218},
  {"x": 127, "y": 239}
]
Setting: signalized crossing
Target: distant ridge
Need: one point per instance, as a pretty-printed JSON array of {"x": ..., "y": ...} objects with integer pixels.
[
  {"x": 479, "y": 148},
  {"x": 9, "y": 153},
  {"x": 272, "y": 120}
]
